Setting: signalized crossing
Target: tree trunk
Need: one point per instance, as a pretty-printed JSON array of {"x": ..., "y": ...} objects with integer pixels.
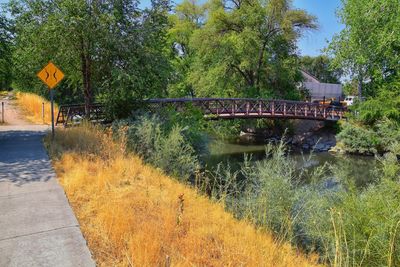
[
  {"x": 87, "y": 83},
  {"x": 359, "y": 87}
]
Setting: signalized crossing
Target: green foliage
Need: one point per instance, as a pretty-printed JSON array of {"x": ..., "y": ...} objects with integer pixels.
[
  {"x": 369, "y": 140},
  {"x": 242, "y": 48},
  {"x": 188, "y": 17},
  {"x": 168, "y": 150},
  {"x": 385, "y": 106},
  {"x": 375, "y": 124},
  {"x": 5, "y": 52},
  {"x": 270, "y": 191},
  {"x": 359, "y": 140},
  {"x": 344, "y": 225},
  {"x": 194, "y": 126},
  {"x": 367, "y": 226},
  {"x": 350, "y": 88},
  {"x": 110, "y": 50},
  {"x": 367, "y": 48},
  {"x": 320, "y": 67},
  {"x": 175, "y": 155}
]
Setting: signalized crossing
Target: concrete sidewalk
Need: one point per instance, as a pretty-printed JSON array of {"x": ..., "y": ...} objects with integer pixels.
[{"x": 37, "y": 225}]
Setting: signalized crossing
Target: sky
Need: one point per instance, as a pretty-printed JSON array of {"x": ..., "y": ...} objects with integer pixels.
[{"x": 313, "y": 41}]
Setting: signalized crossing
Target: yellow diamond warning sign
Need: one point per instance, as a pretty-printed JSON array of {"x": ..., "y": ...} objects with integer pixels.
[{"x": 51, "y": 75}]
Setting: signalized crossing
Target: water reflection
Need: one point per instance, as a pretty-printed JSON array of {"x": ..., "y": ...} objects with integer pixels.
[{"x": 350, "y": 169}]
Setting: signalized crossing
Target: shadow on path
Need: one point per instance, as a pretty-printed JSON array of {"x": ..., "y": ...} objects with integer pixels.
[
  {"x": 23, "y": 158},
  {"x": 37, "y": 225}
]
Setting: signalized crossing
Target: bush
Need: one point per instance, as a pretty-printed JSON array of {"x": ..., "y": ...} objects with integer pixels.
[
  {"x": 375, "y": 123},
  {"x": 367, "y": 226},
  {"x": 174, "y": 154},
  {"x": 385, "y": 106},
  {"x": 345, "y": 225},
  {"x": 356, "y": 139},
  {"x": 377, "y": 139},
  {"x": 270, "y": 191},
  {"x": 167, "y": 150}
]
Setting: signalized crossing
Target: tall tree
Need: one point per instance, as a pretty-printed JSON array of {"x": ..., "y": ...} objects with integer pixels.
[
  {"x": 368, "y": 48},
  {"x": 248, "y": 48},
  {"x": 108, "y": 49},
  {"x": 140, "y": 68},
  {"x": 320, "y": 67},
  {"x": 62, "y": 31},
  {"x": 188, "y": 17},
  {"x": 5, "y": 52}
]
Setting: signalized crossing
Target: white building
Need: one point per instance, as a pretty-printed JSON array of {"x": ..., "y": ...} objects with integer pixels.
[{"x": 318, "y": 90}]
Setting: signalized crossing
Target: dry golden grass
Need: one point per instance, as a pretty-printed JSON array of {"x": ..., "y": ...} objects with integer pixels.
[
  {"x": 32, "y": 107},
  {"x": 133, "y": 215}
]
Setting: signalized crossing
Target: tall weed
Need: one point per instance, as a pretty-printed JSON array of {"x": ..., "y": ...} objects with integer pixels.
[{"x": 167, "y": 150}]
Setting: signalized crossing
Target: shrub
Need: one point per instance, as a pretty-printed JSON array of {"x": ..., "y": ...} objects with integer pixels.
[
  {"x": 167, "y": 150},
  {"x": 388, "y": 132},
  {"x": 345, "y": 225},
  {"x": 367, "y": 226},
  {"x": 357, "y": 139},
  {"x": 372, "y": 140},
  {"x": 174, "y": 154},
  {"x": 270, "y": 191}
]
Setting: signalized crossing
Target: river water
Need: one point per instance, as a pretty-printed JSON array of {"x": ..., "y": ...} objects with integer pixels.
[{"x": 359, "y": 169}]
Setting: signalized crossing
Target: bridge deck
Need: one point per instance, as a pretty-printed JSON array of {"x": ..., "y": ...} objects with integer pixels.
[{"x": 222, "y": 108}]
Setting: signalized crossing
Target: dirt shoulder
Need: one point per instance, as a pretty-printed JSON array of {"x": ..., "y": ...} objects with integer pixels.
[{"x": 12, "y": 113}]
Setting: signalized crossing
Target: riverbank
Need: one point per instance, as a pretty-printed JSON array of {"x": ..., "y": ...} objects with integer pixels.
[
  {"x": 302, "y": 135},
  {"x": 273, "y": 194},
  {"x": 132, "y": 214},
  {"x": 329, "y": 215}
]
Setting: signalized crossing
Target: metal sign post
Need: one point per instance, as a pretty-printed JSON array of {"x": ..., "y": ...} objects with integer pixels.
[
  {"x": 52, "y": 113},
  {"x": 51, "y": 76},
  {"x": 2, "y": 112}
]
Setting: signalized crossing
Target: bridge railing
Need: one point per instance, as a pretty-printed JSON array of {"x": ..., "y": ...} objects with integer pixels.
[
  {"x": 67, "y": 113},
  {"x": 219, "y": 108},
  {"x": 253, "y": 108}
]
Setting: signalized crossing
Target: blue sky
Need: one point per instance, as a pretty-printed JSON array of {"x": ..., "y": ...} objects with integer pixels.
[
  {"x": 312, "y": 42},
  {"x": 325, "y": 10}
]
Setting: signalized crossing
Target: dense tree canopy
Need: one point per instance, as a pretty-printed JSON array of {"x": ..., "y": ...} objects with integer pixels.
[
  {"x": 188, "y": 17},
  {"x": 5, "y": 53},
  {"x": 368, "y": 48},
  {"x": 248, "y": 48},
  {"x": 114, "y": 52},
  {"x": 108, "y": 49}
]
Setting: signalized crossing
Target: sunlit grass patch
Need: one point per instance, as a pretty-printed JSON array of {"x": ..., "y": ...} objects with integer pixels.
[
  {"x": 32, "y": 105},
  {"x": 3, "y": 93},
  {"x": 133, "y": 215}
]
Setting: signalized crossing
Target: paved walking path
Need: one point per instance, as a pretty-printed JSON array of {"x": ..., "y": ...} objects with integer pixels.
[{"x": 37, "y": 225}]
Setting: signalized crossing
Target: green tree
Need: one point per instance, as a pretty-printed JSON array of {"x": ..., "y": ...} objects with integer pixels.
[
  {"x": 248, "y": 48},
  {"x": 320, "y": 67},
  {"x": 141, "y": 68},
  {"x": 188, "y": 17},
  {"x": 368, "y": 47},
  {"x": 61, "y": 31},
  {"x": 110, "y": 50},
  {"x": 5, "y": 52}
]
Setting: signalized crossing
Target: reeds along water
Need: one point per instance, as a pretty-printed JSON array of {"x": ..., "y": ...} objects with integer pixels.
[{"x": 345, "y": 225}]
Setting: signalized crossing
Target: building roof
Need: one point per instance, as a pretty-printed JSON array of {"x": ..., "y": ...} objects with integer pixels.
[{"x": 309, "y": 78}]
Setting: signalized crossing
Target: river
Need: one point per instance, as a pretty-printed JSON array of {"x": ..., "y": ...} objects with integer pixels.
[{"x": 359, "y": 169}]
